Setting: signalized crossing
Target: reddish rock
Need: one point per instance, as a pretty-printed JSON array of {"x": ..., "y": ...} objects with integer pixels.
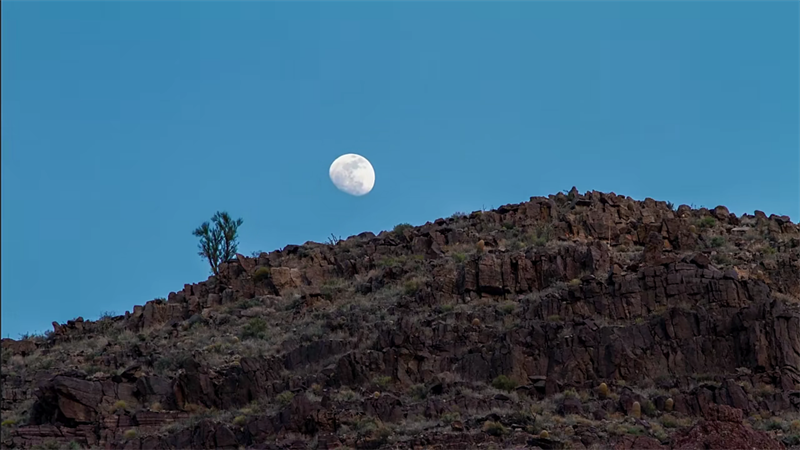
[
  {"x": 639, "y": 443},
  {"x": 712, "y": 435},
  {"x": 22, "y": 347}
]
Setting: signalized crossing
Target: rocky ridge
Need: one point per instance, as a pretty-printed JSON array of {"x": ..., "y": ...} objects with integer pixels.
[{"x": 569, "y": 321}]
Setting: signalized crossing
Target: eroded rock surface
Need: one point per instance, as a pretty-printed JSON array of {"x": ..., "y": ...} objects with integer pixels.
[{"x": 395, "y": 341}]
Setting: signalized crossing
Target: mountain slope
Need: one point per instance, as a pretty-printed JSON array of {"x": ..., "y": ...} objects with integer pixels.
[{"x": 569, "y": 321}]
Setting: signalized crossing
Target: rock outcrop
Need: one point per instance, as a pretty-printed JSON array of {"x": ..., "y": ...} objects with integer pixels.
[{"x": 393, "y": 341}]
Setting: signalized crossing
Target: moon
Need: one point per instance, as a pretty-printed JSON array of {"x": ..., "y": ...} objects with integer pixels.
[{"x": 352, "y": 174}]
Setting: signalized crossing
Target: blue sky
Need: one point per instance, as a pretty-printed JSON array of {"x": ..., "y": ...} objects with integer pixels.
[{"x": 127, "y": 124}]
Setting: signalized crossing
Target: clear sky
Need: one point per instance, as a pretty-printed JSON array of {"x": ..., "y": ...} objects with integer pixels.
[{"x": 127, "y": 124}]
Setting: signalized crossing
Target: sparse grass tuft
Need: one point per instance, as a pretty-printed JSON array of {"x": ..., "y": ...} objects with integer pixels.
[
  {"x": 382, "y": 382},
  {"x": 240, "y": 421},
  {"x": 507, "y": 308},
  {"x": 261, "y": 274},
  {"x": 285, "y": 398},
  {"x": 504, "y": 383},
  {"x": 450, "y": 417},
  {"x": 120, "y": 405},
  {"x": 256, "y": 328},
  {"x": 130, "y": 434},
  {"x": 717, "y": 242},
  {"x": 493, "y": 428},
  {"x": 410, "y": 287},
  {"x": 540, "y": 236},
  {"x": 707, "y": 222},
  {"x": 418, "y": 391}
]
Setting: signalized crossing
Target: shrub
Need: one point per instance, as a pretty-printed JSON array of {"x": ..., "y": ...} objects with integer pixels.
[
  {"x": 169, "y": 363},
  {"x": 775, "y": 424},
  {"x": 347, "y": 395},
  {"x": 261, "y": 274},
  {"x": 381, "y": 434},
  {"x": 120, "y": 405},
  {"x": 401, "y": 227},
  {"x": 670, "y": 421},
  {"x": 9, "y": 422},
  {"x": 544, "y": 435},
  {"x": 635, "y": 430},
  {"x": 494, "y": 428},
  {"x": 419, "y": 391},
  {"x": 382, "y": 382},
  {"x": 331, "y": 288},
  {"x": 411, "y": 287},
  {"x": 194, "y": 320},
  {"x": 707, "y": 222},
  {"x": 194, "y": 408},
  {"x": 218, "y": 243},
  {"x": 129, "y": 434},
  {"x": 459, "y": 257},
  {"x": 717, "y": 241},
  {"x": 256, "y": 328},
  {"x": 156, "y": 407},
  {"x": 285, "y": 397},
  {"x": 504, "y": 383},
  {"x": 239, "y": 421},
  {"x": 540, "y": 236},
  {"x": 649, "y": 408},
  {"x": 658, "y": 432},
  {"x": 450, "y": 417},
  {"x": 507, "y": 308}
]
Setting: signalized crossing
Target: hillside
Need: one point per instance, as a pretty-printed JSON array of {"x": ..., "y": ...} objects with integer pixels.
[{"x": 569, "y": 321}]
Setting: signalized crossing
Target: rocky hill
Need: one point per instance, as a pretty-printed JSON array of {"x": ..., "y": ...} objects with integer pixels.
[{"x": 569, "y": 321}]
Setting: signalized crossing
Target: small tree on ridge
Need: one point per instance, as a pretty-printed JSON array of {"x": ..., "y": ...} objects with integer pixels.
[{"x": 218, "y": 242}]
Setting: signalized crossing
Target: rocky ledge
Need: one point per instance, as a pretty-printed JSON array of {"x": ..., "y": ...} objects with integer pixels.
[{"x": 569, "y": 321}]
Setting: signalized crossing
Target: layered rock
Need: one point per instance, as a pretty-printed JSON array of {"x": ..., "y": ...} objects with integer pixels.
[{"x": 562, "y": 293}]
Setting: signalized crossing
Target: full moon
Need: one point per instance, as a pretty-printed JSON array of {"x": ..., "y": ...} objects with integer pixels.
[{"x": 353, "y": 174}]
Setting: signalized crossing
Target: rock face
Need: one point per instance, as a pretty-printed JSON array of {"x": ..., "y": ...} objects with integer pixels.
[
  {"x": 724, "y": 430},
  {"x": 393, "y": 341}
]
